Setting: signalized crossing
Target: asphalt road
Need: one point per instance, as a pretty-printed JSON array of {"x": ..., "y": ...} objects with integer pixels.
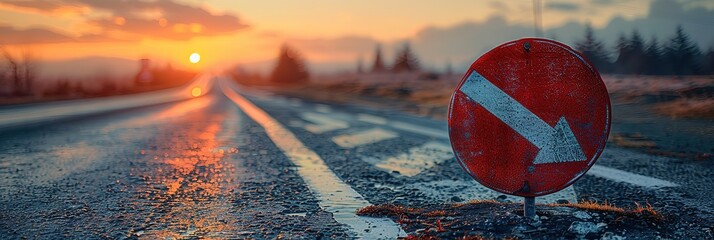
[{"x": 236, "y": 163}]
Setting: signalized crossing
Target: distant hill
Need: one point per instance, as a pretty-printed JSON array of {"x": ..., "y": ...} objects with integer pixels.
[
  {"x": 81, "y": 68},
  {"x": 265, "y": 67}
]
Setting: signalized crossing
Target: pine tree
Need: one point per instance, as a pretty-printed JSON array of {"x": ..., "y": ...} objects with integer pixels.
[
  {"x": 406, "y": 61},
  {"x": 681, "y": 53},
  {"x": 378, "y": 65},
  {"x": 360, "y": 67},
  {"x": 290, "y": 68},
  {"x": 448, "y": 70},
  {"x": 636, "y": 61},
  {"x": 623, "y": 54},
  {"x": 710, "y": 61},
  {"x": 653, "y": 56},
  {"x": 593, "y": 50}
]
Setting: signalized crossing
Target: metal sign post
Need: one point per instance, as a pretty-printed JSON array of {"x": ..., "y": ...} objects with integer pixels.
[
  {"x": 529, "y": 210},
  {"x": 529, "y": 118}
]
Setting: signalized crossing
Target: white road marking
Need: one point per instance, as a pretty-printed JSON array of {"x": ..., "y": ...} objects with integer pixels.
[
  {"x": 296, "y": 123},
  {"x": 597, "y": 170},
  {"x": 627, "y": 177},
  {"x": 402, "y": 126},
  {"x": 445, "y": 190},
  {"x": 334, "y": 195},
  {"x": 417, "y": 159},
  {"x": 419, "y": 129},
  {"x": 556, "y": 144},
  {"x": 322, "y": 108},
  {"x": 363, "y": 138},
  {"x": 322, "y": 123},
  {"x": 371, "y": 119},
  {"x": 295, "y": 102}
]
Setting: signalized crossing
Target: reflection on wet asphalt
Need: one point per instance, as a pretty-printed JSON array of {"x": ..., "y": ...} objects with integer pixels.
[{"x": 194, "y": 169}]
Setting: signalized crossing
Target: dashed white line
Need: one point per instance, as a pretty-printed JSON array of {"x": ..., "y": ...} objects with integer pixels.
[
  {"x": 334, "y": 195},
  {"x": 446, "y": 190},
  {"x": 417, "y": 159},
  {"x": 322, "y": 123},
  {"x": 597, "y": 170},
  {"x": 627, "y": 177},
  {"x": 363, "y": 138},
  {"x": 419, "y": 130},
  {"x": 322, "y": 108},
  {"x": 371, "y": 119},
  {"x": 295, "y": 102}
]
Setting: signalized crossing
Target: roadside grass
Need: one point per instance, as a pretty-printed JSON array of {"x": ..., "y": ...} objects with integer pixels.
[
  {"x": 635, "y": 140},
  {"x": 393, "y": 210},
  {"x": 476, "y": 201},
  {"x": 390, "y": 210},
  {"x": 646, "y": 212},
  {"x": 491, "y": 219}
]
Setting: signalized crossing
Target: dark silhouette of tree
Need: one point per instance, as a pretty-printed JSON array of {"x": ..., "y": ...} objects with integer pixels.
[
  {"x": 710, "y": 61},
  {"x": 449, "y": 70},
  {"x": 14, "y": 66},
  {"x": 28, "y": 67},
  {"x": 406, "y": 61},
  {"x": 631, "y": 54},
  {"x": 653, "y": 58},
  {"x": 290, "y": 68},
  {"x": 636, "y": 50},
  {"x": 622, "y": 50},
  {"x": 593, "y": 50},
  {"x": 22, "y": 71},
  {"x": 681, "y": 53},
  {"x": 378, "y": 65},
  {"x": 360, "y": 67},
  {"x": 3, "y": 85}
]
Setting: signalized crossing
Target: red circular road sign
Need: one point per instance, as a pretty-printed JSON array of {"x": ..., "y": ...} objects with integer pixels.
[{"x": 529, "y": 117}]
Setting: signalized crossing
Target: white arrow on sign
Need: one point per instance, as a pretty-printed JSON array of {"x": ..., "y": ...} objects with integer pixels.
[{"x": 556, "y": 144}]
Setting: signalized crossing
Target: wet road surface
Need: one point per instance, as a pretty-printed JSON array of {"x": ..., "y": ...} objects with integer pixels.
[{"x": 254, "y": 165}]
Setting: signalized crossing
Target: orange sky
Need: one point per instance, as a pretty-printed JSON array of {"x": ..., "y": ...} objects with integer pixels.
[{"x": 231, "y": 31}]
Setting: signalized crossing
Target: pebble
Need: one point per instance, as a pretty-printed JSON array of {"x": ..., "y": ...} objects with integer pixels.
[
  {"x": 582, "y": 215},
  {"x": 583, "y": 228},
  {"x": 611, "y": 236},
  {"x": 535, "y": 222},
  {"x": 562, "y": 201}
]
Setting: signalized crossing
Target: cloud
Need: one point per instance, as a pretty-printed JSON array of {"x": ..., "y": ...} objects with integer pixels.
[
  {"x": 562, "y": 6},
  {"x": 163, "y": 19},
  {"x": 10, "y": 35},
  {"x": 498, "y": 6},
  {"x": 661, "y": 21},
  {"x": 463, "y": 43},
  {"x": 602, "y": 2},
  {"x": 467, "y": 40},
  {"x": 137, "y": 19},
  {"x": 45, "y": 6}
]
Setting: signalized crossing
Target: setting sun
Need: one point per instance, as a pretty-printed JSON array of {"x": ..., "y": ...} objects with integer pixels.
[{"x": 194, "y": 58}]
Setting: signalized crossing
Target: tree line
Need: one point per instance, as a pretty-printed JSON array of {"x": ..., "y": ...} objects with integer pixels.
[
  {"x": 406, "y": 61},
  {"x": 17, "y": 73},
  {"x": 678, "y": 55}
]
